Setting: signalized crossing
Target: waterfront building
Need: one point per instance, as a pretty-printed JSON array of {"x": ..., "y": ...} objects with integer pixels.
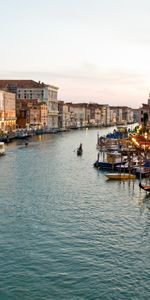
[
  {"x": 144, "y": 114},
  {"x": 7, "y": 112},
  {"x": 95, "y": 114},
  {"x": 38, "y": 116},
  {"x": 113, "y": 117},
  {"x": 105, "y": 114},
  {"x": 124, "y": 114},
  {"x": 86, "y": 111},
  {"x": 87, "y": 116},
  {"x": 30, "y": 89},
  {"x": 135, "y": 115},
  {"x": 119, "y": 116},
  {"x": 32, "y": 113},
  {"x": 52, "y": 102},
  {"x": 64, "y": 115},
  {"x": 44, "y": 115},
  {"x": 116, "y": 115},
  {"x": 77, "y": 115},
  {"x": 127, "y": 114}
]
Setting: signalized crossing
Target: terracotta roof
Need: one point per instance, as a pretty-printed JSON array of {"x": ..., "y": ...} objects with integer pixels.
[{"x": 6, "y": 84}]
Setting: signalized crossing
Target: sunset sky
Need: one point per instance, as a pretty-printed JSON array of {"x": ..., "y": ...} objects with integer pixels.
[{"x": 94, "y": 51}]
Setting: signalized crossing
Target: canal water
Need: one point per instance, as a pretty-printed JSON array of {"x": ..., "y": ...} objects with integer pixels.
[{"x": 66, "y": 232}]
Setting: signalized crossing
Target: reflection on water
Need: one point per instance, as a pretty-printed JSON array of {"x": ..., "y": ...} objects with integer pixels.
[{"x": 144, "y": 202}]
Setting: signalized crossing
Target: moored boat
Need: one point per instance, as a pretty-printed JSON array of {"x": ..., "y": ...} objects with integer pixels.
[
  {"x": 106, "y": 165},
  {"x": 144, "y": 187},
  {"x": 120, "y": 176},
  {"x": 22, "y": 135},
  {"x": 112, "y": 160},
  {"x": 2, "y": 148}
]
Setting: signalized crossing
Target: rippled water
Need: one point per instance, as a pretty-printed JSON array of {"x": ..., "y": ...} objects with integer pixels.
[{"x": 66, "y": 232}]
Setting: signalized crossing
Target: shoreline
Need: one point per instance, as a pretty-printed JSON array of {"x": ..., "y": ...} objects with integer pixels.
[{"x": 24, "y": 134}]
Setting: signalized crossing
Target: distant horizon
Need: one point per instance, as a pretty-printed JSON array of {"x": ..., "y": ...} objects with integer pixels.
[{"x": 44, "y": 77}]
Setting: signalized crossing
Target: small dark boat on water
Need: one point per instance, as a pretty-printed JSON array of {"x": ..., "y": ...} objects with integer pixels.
[
  {"x": 144, "y": 187},
  {"x": 79, "y": 150}
]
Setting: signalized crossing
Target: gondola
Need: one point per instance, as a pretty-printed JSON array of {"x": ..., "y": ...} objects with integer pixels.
[
  {"x": 144, "y": 187},
  {"x": 80, "y": 150}
]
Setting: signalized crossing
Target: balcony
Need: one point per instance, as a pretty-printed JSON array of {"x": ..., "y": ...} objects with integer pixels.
[{"x": 53, "y": 112}]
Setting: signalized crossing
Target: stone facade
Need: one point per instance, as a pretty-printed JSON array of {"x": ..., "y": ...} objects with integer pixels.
[
  {"x": 32, "y": 113},
  {"x": 7, "y": 112},
  {"x": 29, "y": 89}
]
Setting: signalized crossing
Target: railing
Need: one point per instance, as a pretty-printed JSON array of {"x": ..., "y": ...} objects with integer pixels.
[{"x": 53, "y": 112}]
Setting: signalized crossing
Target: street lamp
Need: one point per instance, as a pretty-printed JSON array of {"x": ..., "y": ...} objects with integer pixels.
[{"x": 145, "y": 135}]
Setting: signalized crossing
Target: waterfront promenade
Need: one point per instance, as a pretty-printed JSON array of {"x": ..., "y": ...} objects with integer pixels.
[{"x": 66, "y": 232}]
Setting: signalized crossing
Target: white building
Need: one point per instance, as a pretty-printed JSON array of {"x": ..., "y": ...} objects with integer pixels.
[
  {"x": 29, "y": 89},
  {"x": 7, "y": 112},
  {"x": 105, "y": 114}
]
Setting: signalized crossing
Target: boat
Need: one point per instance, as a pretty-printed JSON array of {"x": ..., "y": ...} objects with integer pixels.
[
  {"x": 54, "y": 130},
  {"x": 2, "y": 148},
  {"x": 6, "y": 138},
  {"x": 39, "y": 131},
  {"x": 22, "y": 135},
  {"x": 79, "y": 150},
  {"x": 144, "y": 187},
  {"x": 143, "y": 171},
  {"x": 112, "y": 161},
  {"x": 124, "y": 168},
  {"x": 102, "y": 165},
  {"x": 120, "y": 176},
  {"x": 132, "y": 167}
]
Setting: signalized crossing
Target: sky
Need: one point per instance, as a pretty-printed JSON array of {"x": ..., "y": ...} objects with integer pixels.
[{"x": 94, "y": 51}]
